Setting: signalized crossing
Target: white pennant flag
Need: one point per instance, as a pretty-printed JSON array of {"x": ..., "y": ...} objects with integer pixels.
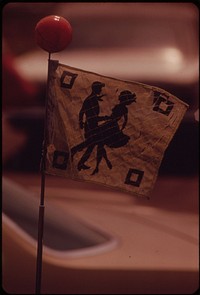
[{"x": 108, "y": 131}]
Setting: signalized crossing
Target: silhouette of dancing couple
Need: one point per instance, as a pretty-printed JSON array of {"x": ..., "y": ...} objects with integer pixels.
[{"x": 108, "y": 133}]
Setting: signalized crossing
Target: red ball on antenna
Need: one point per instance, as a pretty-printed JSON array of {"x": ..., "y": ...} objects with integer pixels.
[{"x": 53, "y": 33}]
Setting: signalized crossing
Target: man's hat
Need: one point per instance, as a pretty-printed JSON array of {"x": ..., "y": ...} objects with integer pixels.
[{"x": 97, "y": 84}]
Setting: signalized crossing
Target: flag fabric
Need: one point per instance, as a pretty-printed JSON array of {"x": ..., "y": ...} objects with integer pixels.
[{"x": 108, "y": 131}]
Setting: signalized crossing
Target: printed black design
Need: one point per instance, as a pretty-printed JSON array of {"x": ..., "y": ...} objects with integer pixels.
[
  {"x": 67, "y": 79},
  {"x": 162, "y": 104},
  {"x": 60, "y": 160},
  {"x": 108, "y": 133},
  {"x": 130, "y": 178}
]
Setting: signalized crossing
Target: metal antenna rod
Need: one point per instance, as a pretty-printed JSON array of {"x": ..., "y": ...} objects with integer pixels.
[{"x": 42, "y": 193}]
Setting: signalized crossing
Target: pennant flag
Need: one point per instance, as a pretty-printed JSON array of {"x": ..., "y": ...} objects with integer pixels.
[{"x": 108, "y": 131}]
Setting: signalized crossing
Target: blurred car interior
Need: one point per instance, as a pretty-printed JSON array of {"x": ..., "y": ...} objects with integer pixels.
[{"x": 151, "y": 43}]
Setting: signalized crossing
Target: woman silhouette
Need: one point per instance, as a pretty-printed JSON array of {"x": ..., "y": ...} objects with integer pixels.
[{"x": 109, "y": 133}]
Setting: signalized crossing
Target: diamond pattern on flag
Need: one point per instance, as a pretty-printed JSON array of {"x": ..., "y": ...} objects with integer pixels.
[{"x": 108, "y": 131}]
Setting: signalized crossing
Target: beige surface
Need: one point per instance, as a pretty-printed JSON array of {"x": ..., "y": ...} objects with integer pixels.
[{"x": 158, "y": 241}]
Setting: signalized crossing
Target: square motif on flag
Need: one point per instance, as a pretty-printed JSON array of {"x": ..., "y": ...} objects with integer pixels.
[
  {"x": 134, "y": 177},
  {"x": 60, "y": 160},
  {"x": 163, "y": 105},
  {"x": 67, "y": 79}
]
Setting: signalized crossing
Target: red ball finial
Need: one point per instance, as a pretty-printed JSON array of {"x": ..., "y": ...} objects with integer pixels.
[{"x": 53, "y": 33}]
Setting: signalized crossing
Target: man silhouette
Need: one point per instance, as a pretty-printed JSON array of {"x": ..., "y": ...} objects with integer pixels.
[{"x": 88, "y": 119}]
